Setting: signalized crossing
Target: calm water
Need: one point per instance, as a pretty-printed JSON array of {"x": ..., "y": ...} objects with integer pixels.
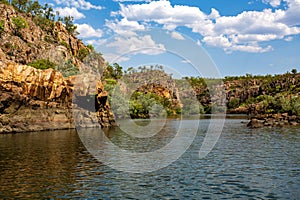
[{"x": 245, "y": 164}]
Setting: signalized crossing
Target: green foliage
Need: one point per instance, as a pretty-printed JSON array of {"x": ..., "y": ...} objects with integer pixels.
[
  {"x": 43, "y": 16},
  {"x": 42, "y": 64},
  {"x": 191, "y": 107},
  {"x": 234, "y": 103},
  {"x": 91, "y": 47},
  {"x": 34, "y": 8},
  {"x": 19, "y": 23},
  {"x": 20, "y": 4},
  {"x": 114, "y": 71},
  {"x": 68, "y": 68},
  {"x": 69, "y": 24},
  {"x": 1, "y": 26},
  {"x": 294, "y": 71},
  {"x": 5, "y": 2},
  {"x": 65, "y": 44},
  {"x": 82, "y": 53}
]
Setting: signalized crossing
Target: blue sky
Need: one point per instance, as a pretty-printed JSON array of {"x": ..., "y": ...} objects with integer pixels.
[{"x": 236, "y": 36}]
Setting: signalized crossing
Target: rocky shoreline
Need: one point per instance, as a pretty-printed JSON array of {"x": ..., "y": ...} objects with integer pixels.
[{"x": 273, "y": 120}]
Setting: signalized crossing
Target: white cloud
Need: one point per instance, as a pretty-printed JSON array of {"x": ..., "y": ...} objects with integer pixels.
[
  {"x": 136, "y": 45},
  {"x": 288, "y": 39},
  {"x": 114, "y": 58},
  {"x": 64, "y": 12},
  {"x": 80, "y": 4},
  {"x": 177, "y": 36},
  {"x": 274, "y": 3},
  {"x": 87, "y": 31},
  {"x": 243, "y": 32},
  {"x": 133, "y": 1},
  {"x": 124, "y": 27}
]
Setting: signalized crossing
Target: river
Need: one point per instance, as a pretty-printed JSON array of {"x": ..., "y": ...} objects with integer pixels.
[{"x": 244, "y": 164}]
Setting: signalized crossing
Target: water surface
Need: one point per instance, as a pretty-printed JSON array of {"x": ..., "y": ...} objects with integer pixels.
[{"x": 245, "y": 164}]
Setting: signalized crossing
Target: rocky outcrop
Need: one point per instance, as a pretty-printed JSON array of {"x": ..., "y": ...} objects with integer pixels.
[
  {"x": 274, "y": 120},
  {"x": 155, "y": 82},
  {"x": 40, "y": 40},
  {"x": 35, "y": 100}
]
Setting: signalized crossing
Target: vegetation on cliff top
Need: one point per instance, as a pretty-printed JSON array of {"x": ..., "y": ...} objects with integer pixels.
[
  {"x": 35, "y": 35},
  {"x": 244, "y": 95}
]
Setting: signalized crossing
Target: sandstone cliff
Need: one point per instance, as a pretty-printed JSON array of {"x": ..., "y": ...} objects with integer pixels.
[{"x": 34, "y": 100}]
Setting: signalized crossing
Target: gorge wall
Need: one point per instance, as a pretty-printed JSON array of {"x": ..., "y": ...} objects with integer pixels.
[{"x": 36, "y": 100}]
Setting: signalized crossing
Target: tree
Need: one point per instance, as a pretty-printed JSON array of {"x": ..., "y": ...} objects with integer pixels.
[
  {"x": 20, "y": 4},
  {"x": 34, "y": 8},
  {"x": 294, "y": 71},
  {"x": 48, "y": 12},
  {"x": 71, "y": 28}
]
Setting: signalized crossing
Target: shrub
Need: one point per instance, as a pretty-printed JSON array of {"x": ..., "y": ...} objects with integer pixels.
[
  {"x": 65, "y": 44},
  {"x": 234, "y": 103},
  {"x": 19, "y": 23},
  {"x": 1, "y": 26},
  {"x": 42, "y": 64},
  {"x": 82, "y": 53},
  {"x": 68, "y": 68},
  {"x": 91, "y": 47}
]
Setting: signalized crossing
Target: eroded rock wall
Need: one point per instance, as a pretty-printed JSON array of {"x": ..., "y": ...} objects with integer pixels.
[{"x": 35, "y": 100}]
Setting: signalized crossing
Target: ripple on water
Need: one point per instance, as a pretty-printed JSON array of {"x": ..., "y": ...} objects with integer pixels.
[{"x": 245, "y": 164}]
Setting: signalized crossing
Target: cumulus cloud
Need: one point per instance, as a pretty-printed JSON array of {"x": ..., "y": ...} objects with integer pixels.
[
  {"x": 124, "y": 27},
  {"x": 133, "y": 1},
  {"x": 87, "y": 31},
  {"x": 136, "y": 45},
  {"x": 80, "y": 4},
  {"x": 64, "y": 12},
  {"x": 177, "y": 36},
  {"x": 274, "y": 3},
  {"x": 243, "y": 32}
]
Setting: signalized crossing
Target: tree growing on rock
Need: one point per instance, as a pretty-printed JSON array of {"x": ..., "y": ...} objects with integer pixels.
[{"x": 71, "y": 28}]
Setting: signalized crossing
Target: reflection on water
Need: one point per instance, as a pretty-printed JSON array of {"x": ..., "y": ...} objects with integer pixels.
[{"x": 245, "y": 163}]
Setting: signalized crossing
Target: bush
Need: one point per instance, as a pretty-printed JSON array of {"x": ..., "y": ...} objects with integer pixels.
[
  {"x": 42, "y": 64},
  {"x": 1, "y": 26},
  {"x": 65, "y": 44},
  {"x": 19, "y": 23},
  {"x": 90, "y": 47},
  {"x": 82, "y": 53},
  {"x": 68, "y": 68},
  {"x": 234, "y": 103}
]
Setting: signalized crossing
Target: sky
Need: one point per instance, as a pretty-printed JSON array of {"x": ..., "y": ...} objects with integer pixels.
[{"x": 192, "y": 37}]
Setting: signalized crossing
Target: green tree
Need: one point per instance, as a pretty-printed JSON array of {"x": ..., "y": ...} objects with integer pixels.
[
  {"x": 294, "y": 71},
  {"x": 19, "y": 23},
  {"x": 48, "y": 12},
  {"x": 20, "y": 4},
  {"x": 34, "y": 8},
  {"x": 71, "y": 28}
]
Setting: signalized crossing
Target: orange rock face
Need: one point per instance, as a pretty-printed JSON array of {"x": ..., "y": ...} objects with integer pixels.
[{"x": 34, "y": 100}]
